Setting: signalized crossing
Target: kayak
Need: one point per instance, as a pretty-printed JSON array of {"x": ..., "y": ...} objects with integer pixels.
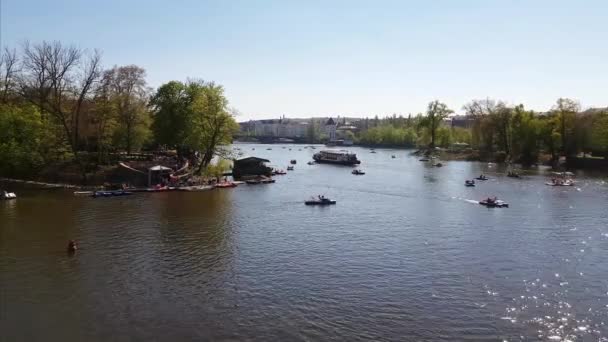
[
  {"x": 494, "y": 204},
  {"x": 320, "y": 202}
]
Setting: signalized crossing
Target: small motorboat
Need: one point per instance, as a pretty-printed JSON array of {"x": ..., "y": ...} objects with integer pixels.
[
  {"x": 358, "y": 172},
  {"x": 393, "y": 156},
  {"x": 83, "y": 193},
  {"x": 268, "y": 149},
  {"x": 8, "y": 195},
  {"x": 438, "y": 164},
  {"x": 293, "y": 161},
  {"x": 424, "y": 159},
  {"x": 290, "y": 168},
  {"x": 561, "y": 182},
  {"x": 112, "y": 193},
  {"x": 311, "y": 163},
  {"x": 372, "y": 151},
  {"x": 562, "y": 179},
  {"x": 482, "y": 178},
  {"x": 513, "y": 174},
  {"x": 319, "y": 200},
  {"x": 222, "y": 185},
  {"x": 494, "y": 203},
  {"x": 469, "y": 183}
]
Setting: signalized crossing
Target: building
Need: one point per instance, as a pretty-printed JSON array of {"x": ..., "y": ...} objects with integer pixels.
[
  {"x": 276, "y": 128},
  {"x": 330, "y": 129},
  {"x": 250, "y": 167}
]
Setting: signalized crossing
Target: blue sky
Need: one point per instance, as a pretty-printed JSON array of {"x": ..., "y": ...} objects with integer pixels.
[{"x": 356, "y": 58}]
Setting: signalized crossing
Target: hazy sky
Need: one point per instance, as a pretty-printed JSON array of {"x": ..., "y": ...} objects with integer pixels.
[{"x": 356, "y": 58}]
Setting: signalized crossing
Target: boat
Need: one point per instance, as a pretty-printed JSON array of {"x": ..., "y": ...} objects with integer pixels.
[
  {"x": 279, "y": 172},
  {"x": 293, "y": 161},
  {"x": 438, "y": 164},
  {"x": 560, "y": 182},
  {"x": 482, "y": 178},
  {"x": 469, "y": 183},
  {"x": 319, "y": 200},
  {"x": 83, "y": 193},
  {"x": 393, "y": 156},
  {"x": 341, "y": 157},
  {"x": 311, "y": 163},
  {"x": 196, "y": 188},
  {"x": 358, "y": 172},
  {"x": 562, "y": 179},
  {"x": 262, "y": 180},
  {"x": 372, "y": 151},
  {"x": 111, "y": 193},
  {"x": 513, "y": 174},
  {"x": 290, "y": 168},
  {"x": 222, "y": 185},
  {"x": 156, "y": 188},
  {"x": 8, "y": 195},
  {"x": 494, "y": 203},
  {"x": 424, "y": 159}
]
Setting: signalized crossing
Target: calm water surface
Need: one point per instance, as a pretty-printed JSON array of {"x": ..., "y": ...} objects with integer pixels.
[{"x": 405, "y": 255}]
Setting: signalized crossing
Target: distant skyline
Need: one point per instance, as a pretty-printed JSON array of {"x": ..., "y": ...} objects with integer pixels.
[{"x": 349, "y": 58}]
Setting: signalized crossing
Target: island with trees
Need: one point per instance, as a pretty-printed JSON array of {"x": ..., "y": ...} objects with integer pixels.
[{"x": 65, "y": 118}]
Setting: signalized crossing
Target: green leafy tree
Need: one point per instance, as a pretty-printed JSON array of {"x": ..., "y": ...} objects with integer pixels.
[
  {"x": 193, "y": 116},
  {"x": 128, "y": 92},
  {"x": 171, "y": 115},
  {"x": 435, "y": 114},
  {"x": 599, "y": 133},
  {"x": 565, "y": 110},
  {"x": 21, "y": 139}
]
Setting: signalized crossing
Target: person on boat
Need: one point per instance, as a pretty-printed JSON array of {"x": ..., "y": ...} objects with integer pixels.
[{"x": 72, "y": 247}]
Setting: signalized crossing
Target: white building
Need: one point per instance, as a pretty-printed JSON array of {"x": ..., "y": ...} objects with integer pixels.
[
  {"x": 283, "y": 128},
  {"x": 330, "y": 129}
]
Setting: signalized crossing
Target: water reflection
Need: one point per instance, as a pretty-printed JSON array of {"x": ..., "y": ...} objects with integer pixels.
[{"x": 405, "y": 254}]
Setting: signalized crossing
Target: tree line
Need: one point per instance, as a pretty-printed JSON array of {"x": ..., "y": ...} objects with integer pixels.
[
  {"x": 60, "y": 106},
  {"x": 495, "y": 128}
]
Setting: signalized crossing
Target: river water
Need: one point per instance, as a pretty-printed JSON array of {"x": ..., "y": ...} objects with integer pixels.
[{"x": 405, "y": 255}]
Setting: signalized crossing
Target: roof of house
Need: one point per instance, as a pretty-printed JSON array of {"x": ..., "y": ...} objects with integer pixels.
[
  {"x": 252, "y": 159},
  {"x": 159, "y": 168}
]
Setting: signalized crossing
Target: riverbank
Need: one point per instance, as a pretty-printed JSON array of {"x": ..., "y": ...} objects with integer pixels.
[{"x": 40, "y": 184}]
